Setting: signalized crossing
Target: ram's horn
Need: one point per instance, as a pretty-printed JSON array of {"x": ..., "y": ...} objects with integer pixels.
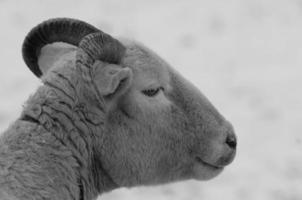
[
  {"x": 66, "y": 30},
  {"x": 100, "y": 46}
]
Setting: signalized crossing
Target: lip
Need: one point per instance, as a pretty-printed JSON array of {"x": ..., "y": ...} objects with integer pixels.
[{"x": 199, "y": 160}]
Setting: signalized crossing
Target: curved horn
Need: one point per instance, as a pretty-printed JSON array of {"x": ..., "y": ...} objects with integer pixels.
[
  {"x": 99, "y": 46},
  {"x": 66, "y": 30}
]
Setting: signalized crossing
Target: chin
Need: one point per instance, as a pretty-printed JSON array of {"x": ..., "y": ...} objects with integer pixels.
[{"x": 204, "y": 171}]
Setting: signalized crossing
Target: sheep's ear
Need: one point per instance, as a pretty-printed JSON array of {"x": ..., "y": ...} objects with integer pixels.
[
  {"x": 55, "y": 52},
  {"x": 111, "y": 80}
]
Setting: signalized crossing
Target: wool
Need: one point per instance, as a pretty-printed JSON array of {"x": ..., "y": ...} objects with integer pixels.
[{"x": 90, "y": 128}]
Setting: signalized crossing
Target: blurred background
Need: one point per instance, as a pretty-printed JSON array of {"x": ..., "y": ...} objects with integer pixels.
[{"x": 245, "y": 55}]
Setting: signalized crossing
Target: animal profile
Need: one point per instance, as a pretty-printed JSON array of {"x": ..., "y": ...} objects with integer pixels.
[{"x": 110, "y": 113}]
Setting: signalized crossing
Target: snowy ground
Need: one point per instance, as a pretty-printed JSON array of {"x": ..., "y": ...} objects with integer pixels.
[{"x": 245, "y": 55}]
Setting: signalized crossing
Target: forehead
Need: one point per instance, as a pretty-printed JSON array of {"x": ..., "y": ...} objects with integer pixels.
[{"x": 148, "y": 68}]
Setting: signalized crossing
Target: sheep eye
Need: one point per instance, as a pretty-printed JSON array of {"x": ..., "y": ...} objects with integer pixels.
[{"x": 152, "y": 92}]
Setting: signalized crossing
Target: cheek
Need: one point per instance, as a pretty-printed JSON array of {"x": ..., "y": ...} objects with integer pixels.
[
  {"x": 133, "y": 151},
  {"x": 149, "y": 149},
  {"x": 175, "y": 141},
  {"x": 118, "y": 156}
]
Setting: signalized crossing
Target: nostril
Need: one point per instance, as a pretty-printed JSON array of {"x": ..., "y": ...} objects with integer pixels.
[{"x": 231, "y": 141}]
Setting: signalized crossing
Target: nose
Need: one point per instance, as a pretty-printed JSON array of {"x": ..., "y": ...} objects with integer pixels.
[{"x": 231, "y": 140}]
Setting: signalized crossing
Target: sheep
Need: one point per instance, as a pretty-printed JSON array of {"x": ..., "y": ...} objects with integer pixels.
[{"x": 110, "y": 113}]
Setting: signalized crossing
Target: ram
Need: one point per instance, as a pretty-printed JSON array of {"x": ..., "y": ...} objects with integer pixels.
[{"x": 110, "y": 113}]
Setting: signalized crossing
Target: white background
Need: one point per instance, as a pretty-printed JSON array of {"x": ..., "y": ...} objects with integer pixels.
[{"x": 245, "y": 55}]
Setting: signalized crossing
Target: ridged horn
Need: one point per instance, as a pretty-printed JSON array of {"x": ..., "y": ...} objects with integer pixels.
[
  {"x": 66, "y": 30},
  {"x": 100, "y": 46}
]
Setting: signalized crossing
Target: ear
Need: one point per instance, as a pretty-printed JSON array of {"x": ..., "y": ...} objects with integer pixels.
[{"x": 111, "y": 80}]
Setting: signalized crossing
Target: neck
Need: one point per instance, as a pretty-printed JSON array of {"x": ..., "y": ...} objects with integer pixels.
[{"x": 61, "y": 107}]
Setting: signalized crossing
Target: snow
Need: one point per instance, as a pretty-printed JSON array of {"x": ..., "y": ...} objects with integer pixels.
[{"x": 246, "y": 56}]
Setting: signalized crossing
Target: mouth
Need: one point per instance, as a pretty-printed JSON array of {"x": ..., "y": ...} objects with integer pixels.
[
  {"x": 200, "y": 161},
  {"x": 205, "y": 171}
]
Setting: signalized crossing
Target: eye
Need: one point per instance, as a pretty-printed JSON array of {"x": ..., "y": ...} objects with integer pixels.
[{"x": 152, "y": 92}]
